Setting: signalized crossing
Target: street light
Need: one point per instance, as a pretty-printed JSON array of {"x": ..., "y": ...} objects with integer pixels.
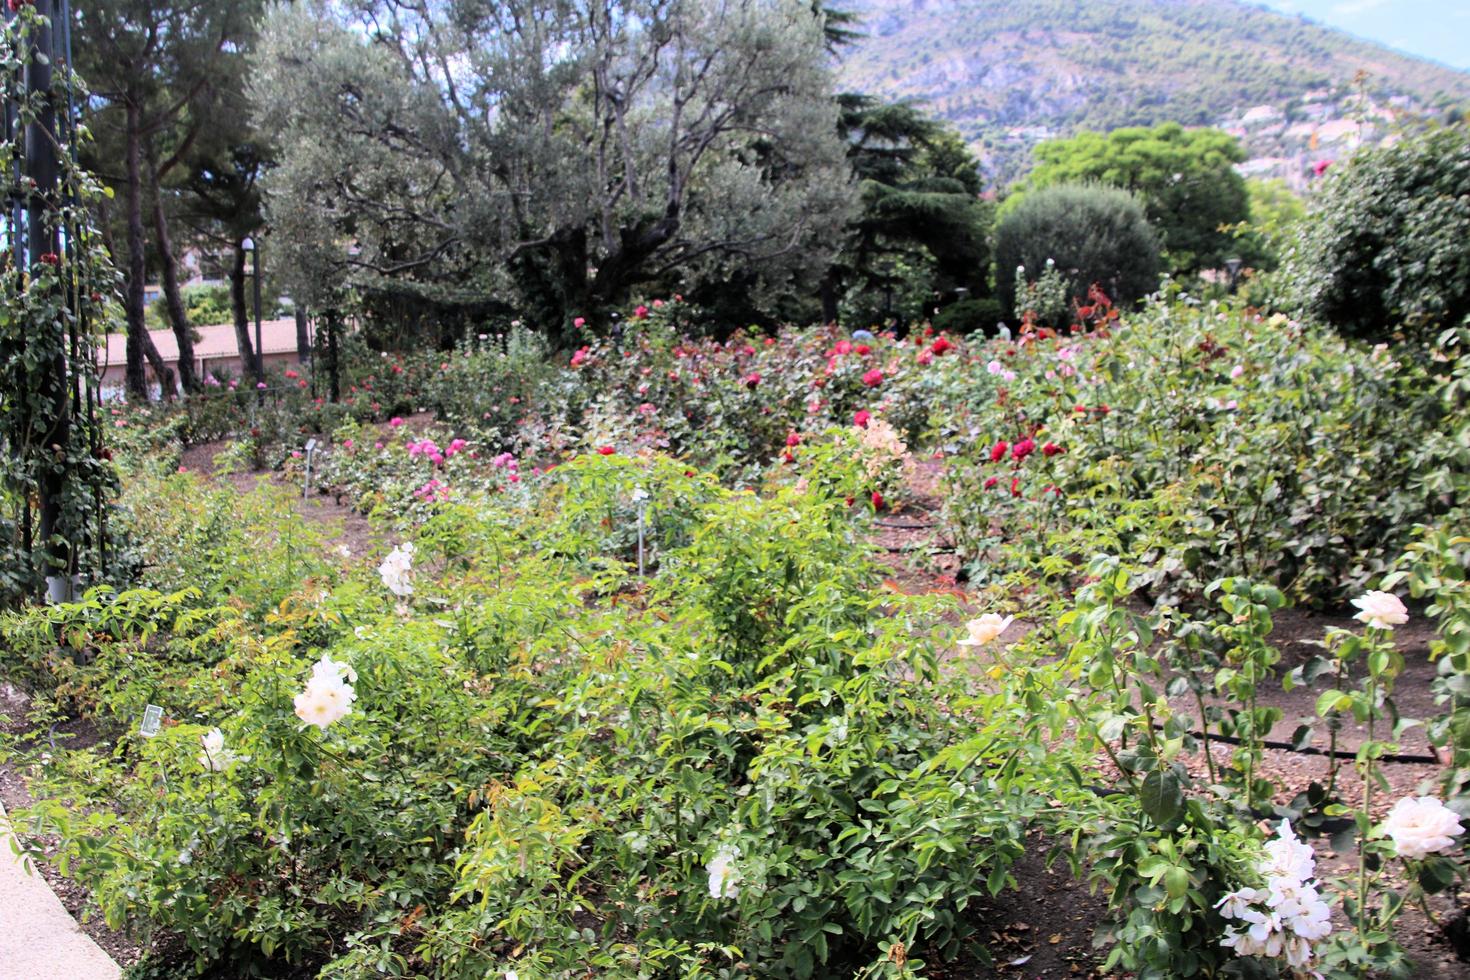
[
  {"x": 1232, "y": 265},
  {"x": 249, "y": 246}
]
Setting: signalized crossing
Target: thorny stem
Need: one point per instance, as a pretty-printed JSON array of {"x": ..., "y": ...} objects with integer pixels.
[
  {"x": 1367, "y": 773},
  {"x": 1204, "y": 729}
]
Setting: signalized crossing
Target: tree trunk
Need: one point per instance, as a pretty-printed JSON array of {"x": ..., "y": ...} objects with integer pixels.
[
  {"x": 167, "y": 382},
  {"x": 829, "y": 299},
  {"x": 303, "y": 337},
  {"x": 334, "y": 330},
  {"x": 133, "y": 300},
  {"x": 242, "y": 318},
  {"x": 173, "y": 300}
]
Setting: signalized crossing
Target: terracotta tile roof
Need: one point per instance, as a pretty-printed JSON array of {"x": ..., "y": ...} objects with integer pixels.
[{"x": 215, "y": 342}]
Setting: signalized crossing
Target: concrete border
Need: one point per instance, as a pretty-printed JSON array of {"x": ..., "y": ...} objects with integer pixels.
[{"x": 39, "y": 940}]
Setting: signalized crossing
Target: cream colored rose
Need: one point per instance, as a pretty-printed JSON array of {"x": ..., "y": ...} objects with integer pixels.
[
  {"x": 986, "y": 628},
  {"x": 1381, "y": 610},
  {"x": 724, "y": 877},
  {"x": 1421, "y": 826},
  {"x": 215, "y": 757},
  {"x": 328, "y": 696}
]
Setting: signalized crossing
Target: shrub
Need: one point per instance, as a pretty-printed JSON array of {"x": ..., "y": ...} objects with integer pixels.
[
  {"x": 970, "y": 316},
  {"x": 1093, "y": 234},
  {"x": 1384, "y": 243},
  {"x": 547, "y": 761},
  {"x": 1226, "y": 444}
]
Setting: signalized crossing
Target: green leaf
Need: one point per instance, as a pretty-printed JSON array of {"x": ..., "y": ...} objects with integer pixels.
[{"x": 1161, "y": 796}]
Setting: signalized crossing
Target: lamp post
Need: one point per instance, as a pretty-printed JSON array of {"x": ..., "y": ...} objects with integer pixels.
[
  {"x": 249, "y": 245},
  {"x": 1232, "y": 265}
]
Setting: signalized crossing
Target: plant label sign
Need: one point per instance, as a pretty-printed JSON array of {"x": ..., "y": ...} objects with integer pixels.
[{"x": 152, "y": 720}]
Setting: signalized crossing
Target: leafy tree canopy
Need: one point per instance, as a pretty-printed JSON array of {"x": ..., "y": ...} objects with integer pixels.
[
  {"x": 1185, "y": 178},
  {"x": 562, "y": 154},
  {"x": 921, "y": 210}
]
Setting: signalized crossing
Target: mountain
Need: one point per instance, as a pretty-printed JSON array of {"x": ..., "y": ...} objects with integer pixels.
[{"x": 1011, "y": 73}]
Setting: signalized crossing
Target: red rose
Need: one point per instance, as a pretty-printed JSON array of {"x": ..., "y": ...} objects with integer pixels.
[
  {"x": 863, "y": 349},
  {"x": 990, "y": 483},
  {"x": 1051, "y": 449},
  {"x": 873, "y": 378},
  {"x": 940, "y": 346},
  {"x": 50, "y": 258},
  {"x": 793, "y": 440},
  {"x": 752, "y": 380},
  {"x": 877, "y": 500},
  {"x": 641, "y": 312},
  {"x": 1023, "y": 449},
  {"x": 606, "y": 450},
  {"x": 998, "y": 451},
  {"x": 861, "y": 418},
  {"x": 1015, "y": 486}
]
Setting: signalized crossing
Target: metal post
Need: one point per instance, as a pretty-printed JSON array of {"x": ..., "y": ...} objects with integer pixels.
[
  {"x": 42, "y": 239},
  {"x": 640, "y": 497},
  {"x": 259, "y": 351}
]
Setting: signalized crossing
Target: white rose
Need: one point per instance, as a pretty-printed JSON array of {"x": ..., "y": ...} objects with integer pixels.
[
  {"x": 396, "y": 570},
  {"x": 215, "y": 756},
  {"x": 328, "y": 696},
  {"x": 985, "y": 629},
  {"x": 1421, "y": 826},
  {"x": 723, "y": 875},
  {"x": 330, "y": 669},
  {"x": 1381, "y": 610}
]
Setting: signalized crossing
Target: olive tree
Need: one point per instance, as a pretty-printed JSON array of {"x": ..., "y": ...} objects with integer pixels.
[
  {"x": 558, "y": 154},
  {"x": 1093, "y": 235}
]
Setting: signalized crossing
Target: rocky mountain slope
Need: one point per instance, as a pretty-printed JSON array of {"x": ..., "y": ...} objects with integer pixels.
[{"x": 1008, "y": 73}]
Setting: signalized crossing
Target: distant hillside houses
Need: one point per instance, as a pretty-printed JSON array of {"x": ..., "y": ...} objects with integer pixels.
[{"x": 1291, "y": 142}]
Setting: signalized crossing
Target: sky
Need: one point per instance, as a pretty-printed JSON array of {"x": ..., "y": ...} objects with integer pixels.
[{"x": 1437, "y": 29}]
